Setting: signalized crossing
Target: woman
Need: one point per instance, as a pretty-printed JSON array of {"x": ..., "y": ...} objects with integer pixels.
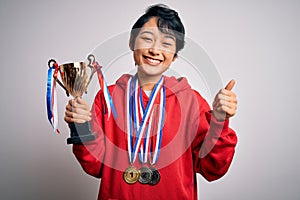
[{"x": 165, "y": 132}]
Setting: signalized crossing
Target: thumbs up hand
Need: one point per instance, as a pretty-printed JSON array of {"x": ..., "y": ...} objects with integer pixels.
[{"x": 225, "y": 103}]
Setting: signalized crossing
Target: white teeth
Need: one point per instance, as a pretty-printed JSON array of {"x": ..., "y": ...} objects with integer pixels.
[{"x": 153, "y": 61}]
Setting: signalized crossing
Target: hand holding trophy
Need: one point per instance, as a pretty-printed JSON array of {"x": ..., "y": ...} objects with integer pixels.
[{"x": 75, "y": 80}]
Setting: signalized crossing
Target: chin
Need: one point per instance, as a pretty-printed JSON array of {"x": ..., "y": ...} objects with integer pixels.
[{"x": 151, "y": 70}]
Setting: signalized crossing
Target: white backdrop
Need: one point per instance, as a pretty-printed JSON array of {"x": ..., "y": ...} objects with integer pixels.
[{"x": 255, "y": 42}]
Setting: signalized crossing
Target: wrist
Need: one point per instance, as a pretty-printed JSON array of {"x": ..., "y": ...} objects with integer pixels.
[{"x": 219, "y": 116}]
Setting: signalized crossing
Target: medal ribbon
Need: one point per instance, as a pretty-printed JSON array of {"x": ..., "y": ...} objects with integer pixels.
[
  {"x": 51, "y": 96},
  {"x": 143, "y": 151},
  {"x": 139, "y": 127},
  {"x": 154, "y": 158}
]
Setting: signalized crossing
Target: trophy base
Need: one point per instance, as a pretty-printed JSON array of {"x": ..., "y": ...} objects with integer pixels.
[
  {"x": 80, "y": 139},
  {"x": 80, "y": 133}
]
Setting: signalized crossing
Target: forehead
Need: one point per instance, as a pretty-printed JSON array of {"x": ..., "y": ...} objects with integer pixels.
[
  {"x": 151, "y": 23},
  {"x": 151, "y": 26}
]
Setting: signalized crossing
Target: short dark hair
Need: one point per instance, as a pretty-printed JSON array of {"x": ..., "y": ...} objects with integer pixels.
[{"x": 168, "y": 21}]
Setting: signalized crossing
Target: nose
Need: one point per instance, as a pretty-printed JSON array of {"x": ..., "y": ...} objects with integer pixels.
[{"x": 155, "y": 49}]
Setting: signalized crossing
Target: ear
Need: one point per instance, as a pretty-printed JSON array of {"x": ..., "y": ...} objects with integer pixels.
[{"x": 131, "y": 44}]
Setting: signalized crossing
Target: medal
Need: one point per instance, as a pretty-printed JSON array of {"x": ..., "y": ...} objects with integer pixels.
[
  {"x": 155, "y": 178},
  {"x": 131, "y": 175},
  {"x": 145, "y": 175}
]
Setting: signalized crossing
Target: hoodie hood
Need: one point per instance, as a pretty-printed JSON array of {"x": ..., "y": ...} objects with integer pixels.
[{"x": 172, "y": 84}]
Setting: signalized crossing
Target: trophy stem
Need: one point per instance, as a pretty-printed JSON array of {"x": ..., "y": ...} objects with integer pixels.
[{"x": 80, "y": 133}]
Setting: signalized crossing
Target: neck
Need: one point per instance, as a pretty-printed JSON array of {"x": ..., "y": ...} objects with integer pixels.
[{"x": 148, "y": 83}]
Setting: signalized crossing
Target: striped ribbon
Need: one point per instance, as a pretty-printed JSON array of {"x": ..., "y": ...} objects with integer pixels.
[
  {"x": 140, "y": 128},
  {"x": 108, "y": 99},
  {"x": 51, "y": 97}
]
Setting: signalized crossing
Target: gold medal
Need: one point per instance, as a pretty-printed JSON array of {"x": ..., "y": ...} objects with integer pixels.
[{"x": 131, "y": 175}]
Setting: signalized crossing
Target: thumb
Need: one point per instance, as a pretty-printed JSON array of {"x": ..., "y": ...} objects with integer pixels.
[
  {"x": 230, "y": 85},
  {"x": 80, "y": 100}
]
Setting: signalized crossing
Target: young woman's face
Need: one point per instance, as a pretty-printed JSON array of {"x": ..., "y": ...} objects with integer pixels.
[{"x": 154, "y": 50}]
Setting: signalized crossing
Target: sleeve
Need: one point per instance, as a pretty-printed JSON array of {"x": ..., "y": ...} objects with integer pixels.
[
  {"x": 90, "y": 154},
  {"x": 214, "y": 145}
]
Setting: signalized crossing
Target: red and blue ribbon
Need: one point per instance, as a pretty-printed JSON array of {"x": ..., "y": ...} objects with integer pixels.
[
  {"x": 108, "y": 99},
  {"x": 51, "y": 95},
  {"x": 141, "y": 129}
]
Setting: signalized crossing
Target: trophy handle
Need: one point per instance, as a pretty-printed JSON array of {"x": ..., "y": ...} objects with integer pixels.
[
  {"x": 92, "y": 60},
  {"x": 55, "y": 78}
]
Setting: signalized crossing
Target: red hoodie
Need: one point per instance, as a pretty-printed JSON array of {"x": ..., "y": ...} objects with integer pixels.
[{"x": 193, "y": 142}]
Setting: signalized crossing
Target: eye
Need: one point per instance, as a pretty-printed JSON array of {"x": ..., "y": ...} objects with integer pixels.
[
  {"x": 147, "y": 39},
  {"x": 167, "y": 44}
]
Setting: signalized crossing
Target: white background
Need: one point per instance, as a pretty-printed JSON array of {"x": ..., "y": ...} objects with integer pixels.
[{"x": 255, "y": 42}]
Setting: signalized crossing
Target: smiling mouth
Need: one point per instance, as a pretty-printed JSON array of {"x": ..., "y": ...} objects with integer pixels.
[{"x": 152, "y": 61}]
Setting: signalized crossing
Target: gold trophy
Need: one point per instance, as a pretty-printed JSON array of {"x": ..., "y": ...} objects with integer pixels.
[{"x": 75, "y": 80}]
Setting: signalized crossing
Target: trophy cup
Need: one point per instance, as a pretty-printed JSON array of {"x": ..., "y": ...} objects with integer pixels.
[{"x": 75, "y": 80}]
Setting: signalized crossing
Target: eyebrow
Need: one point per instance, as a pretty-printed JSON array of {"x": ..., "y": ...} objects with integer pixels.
[
  {"x": 146, "y": 32},
  {"x": 170, "y": 36}
]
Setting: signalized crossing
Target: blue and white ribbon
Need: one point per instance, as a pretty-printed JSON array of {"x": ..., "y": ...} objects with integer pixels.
[
  {"x": 51, "y": 97},
  {"x": 140, "y": 128},
  {"x": 154, "y": 157}
]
